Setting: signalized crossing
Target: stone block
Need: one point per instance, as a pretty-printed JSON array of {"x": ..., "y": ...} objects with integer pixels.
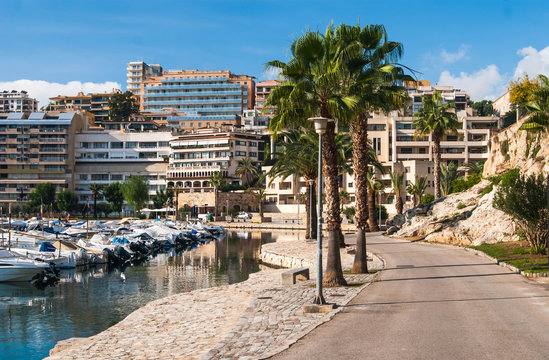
[{"x": 291, "y": 276}]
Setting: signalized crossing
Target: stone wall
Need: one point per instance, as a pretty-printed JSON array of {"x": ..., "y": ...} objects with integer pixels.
[{"x": 246, "y": 201}]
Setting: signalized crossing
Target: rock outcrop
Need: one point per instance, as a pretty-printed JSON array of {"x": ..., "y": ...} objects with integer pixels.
[{"x": 466, "y": 218}]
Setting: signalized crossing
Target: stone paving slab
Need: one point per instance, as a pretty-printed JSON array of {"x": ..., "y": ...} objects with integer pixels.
[{"x": 250, "y": 320}]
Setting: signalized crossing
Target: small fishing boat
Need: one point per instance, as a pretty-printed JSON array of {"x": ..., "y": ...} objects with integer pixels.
[{"x": 18, "y": 268}]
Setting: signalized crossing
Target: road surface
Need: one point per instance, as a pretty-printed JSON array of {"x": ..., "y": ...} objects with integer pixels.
[{"x": 435, "y": 302}]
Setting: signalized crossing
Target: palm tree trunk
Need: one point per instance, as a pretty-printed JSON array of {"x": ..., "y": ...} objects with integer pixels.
[
  {"x": 333, "y": 275},
  {"x": 372, "y": 218},
  {"x": 310, "y": 226},
  {"x": 360, "y": 166},
  {"x": 436, "y": 151},
  {"x": 95, "y": 206},
  {"x": 398, "y": 204}
]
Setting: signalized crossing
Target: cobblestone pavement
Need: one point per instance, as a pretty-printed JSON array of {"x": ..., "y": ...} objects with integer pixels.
[{"x": 250, "y": 320}]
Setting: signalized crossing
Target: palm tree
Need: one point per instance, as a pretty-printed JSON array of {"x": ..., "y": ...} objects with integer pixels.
[
  {"x": 476, "y": 167},
  {"x": 373, "y": 185},
  {"x": 538, "y": 107},
  {"x": 260, "y": 195},
  {"x": 312, "y": 86},
  {"x": 418, "y": 188},
  {"x": 373, "y": 76},
  {"x": 96, "y": 191},
  {"x": 397, "y": 179},
  {"x": 448, "y": 174},
  {"x": 247, "y": 170},
  {"x": 297, "y": 156},
  {"x": 435, "y": 118},
  {"x": 216, "y": 179},
  {"x": 345, "y": 199}
]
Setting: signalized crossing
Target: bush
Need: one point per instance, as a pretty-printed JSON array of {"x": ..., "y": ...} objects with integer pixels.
[
  {"x": 427, "y": 198},
  {"x": 384, "y": 214},
  {"x": 487, "y": 189},
  {"x": 462, "y": 184},
  {"x": 536, "y": 151},
  {"x": 525, "y": 199},
  {"x": 461, "y": 206},
  {"x": 349, "y": 212},
  {"x": 231, "y": 187}
]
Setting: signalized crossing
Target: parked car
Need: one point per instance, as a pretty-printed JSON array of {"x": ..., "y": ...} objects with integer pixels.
[{"x": 243, "y": 215}]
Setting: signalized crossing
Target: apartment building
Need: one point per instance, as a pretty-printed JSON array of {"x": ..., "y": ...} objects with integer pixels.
[
  {"x": 106, "y": 156},
  {"x": 196, "y": 155},
  {"x": 139, "y": 71},
  {"x": 198, "y": 99},
  {"x": 17, "y": 101},
  {"x": 262, "y": 91},
  {"x": 36, "y": 148},
  {"x": 96, "y": 103}
]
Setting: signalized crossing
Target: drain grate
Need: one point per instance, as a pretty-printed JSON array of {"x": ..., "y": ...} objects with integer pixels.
[{"x": 264, "y": 297}]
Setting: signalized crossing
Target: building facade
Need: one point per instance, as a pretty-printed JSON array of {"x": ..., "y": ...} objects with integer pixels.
[
  {"x": 139, "y": 71},
  {"x": 37, "y": 148},
  {"x": 17, "y": 101},
  {"x": 97, "y": 104},
  {"x": 198, "y": 99},
  {"x": 107, "y": 156}
]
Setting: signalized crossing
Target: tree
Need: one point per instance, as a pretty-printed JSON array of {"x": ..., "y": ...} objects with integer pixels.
[
  {"x": 136, "y": 192},
  {"x": 524, "y": 198},
  {"x": 538, "y": 106},
  {"x": 373, "y": 186},
  {"x": 259, "y": 194},
  {"x": 435, "y": 118},
  {"x": 483, "y": 108},
  {"x": 397, "y": 179},
  {"x": 448, "y": 173},
  {"x": 311, "y": 86},
  {"x": 217, "y": 180},
  {"x": 160, "y": 199},
  {"x": 247, "y": 170},
  {"x": 476, "y": 167},
  {"x": 113, "y": 194},
  {"x": 122, "y": 106},
  {"x": 345, "y": 199},
  {"x": 418, "y": 188},
  {"x": 522, "y": 90},
  {"x": 43, "y": 194},
  {"x": 96, "y": 190},
  {"x": 373, "y": 77},
  {"x": 66, "y": 201}
]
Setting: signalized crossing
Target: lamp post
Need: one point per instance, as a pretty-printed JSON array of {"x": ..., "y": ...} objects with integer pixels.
[
  {"x": 320, "y": 127},
  {"x": 379, "y": 209},
  {"x": 311, "y": 196}
]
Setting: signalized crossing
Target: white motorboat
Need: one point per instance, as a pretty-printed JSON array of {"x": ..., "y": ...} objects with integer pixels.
[{"x": 18, "y": 268}]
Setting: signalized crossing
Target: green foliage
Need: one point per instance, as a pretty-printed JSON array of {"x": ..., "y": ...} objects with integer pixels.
[
  {"x": 66, "y": 201},
  {"x": 522, "y": 90},
  {"x": 538, "y": 107},
  {"x": 418, "y": 188},
  {"x": 384, "y": 213},
  {"x": 217, "y": 180},
  {"x": 448, "y": 174},
  {"x": 427, "y": 198},
  {"x": 122, "y": 106},
  {"x": 515, "y": 253},
  {"x": 349, "y": 212},
  {"x": 43, "y": 194},
  {"x": 536, "y": 151},
  {"x": 136, "y": 192},
  {"x": 233, "y": 211},
  {"x": 525, "y": 199},
  {"x": 510, "y": 177},
  {"x": 247, "y": 170},
  {"x": 483, "y": 108},
  {"x": 487, "y": 190},
  {"x": 509, "y": 118},
  {"x": 113, "y": 194},
  {"x": 232, "y": 187},
  {"x": 528, "y": 149},
  {"x": 103, "y": 208},
  {"x": 505, "y": 148},
  {"x": 461, "y": 206},
  {"x": 462, "y": 184},
  {"x": 160, "y": 199}
]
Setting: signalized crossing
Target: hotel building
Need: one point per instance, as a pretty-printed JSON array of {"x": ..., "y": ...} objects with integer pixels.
[
  {"x": 96, "y": 103},
  {"x": 36, "y": 148},
  {"x": 139, "y": 71},
  {"x": 17, "y": 101}
]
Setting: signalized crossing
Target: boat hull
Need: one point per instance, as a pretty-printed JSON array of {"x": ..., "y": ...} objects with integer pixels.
[{"x": 19, "y": 273}]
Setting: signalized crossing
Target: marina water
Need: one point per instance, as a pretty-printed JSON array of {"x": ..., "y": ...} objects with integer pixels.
[{"x": 89, "y": 301}]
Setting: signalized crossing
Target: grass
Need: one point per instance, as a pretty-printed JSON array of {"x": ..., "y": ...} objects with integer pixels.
[
  {"x": 516, "y": 253},
  {"x": 370, "y": 271}
]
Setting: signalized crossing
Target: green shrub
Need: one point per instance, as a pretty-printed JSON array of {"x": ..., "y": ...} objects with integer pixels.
[
  {"x": 461, "y": 206},
  {"x": 505, "y": 148},
  {"x": 427, "y": 198},
  {"x": 510, "y": 177},
  {"x": 487, "y": 189},
  {"x": 528, "y": 149},
  {"x": 536, "y": 151},
  {"x": 525, "y": 199},
  {"x": 462, "y": 184},
  {"x": 349, "y": 212},
  {"x": 384, "y": 214}
]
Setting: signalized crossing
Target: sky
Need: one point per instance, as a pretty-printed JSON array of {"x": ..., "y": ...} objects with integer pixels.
[{"x": 54, "y": 48}]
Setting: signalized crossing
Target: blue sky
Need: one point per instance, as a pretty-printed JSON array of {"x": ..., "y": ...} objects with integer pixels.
[{"x": 474, "y": 45}]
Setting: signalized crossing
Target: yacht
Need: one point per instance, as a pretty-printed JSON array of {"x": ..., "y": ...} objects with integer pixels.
[{"x": 14, "y": 267}]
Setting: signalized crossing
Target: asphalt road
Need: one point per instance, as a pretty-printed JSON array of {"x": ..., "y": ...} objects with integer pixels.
[{"x": 435, "y": 302}]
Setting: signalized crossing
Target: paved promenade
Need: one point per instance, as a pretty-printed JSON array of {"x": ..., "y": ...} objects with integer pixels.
[{"x": 250, "y": 320}]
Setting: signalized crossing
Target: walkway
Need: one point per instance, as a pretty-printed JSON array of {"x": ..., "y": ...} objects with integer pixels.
[{"x": 435, "y": 302}]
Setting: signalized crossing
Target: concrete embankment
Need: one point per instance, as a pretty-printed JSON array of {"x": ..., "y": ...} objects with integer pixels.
[{"x": 253, "y": 319}]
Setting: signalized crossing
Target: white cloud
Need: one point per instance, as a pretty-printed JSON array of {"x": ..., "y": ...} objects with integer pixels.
[
  {"x": 533, "y": 62},
  {"x": 448, "y": 57},
  {"x": 486, "y": 83},
  {"x": 43, "y": 90},
  {"x": 270, "y": 74}
]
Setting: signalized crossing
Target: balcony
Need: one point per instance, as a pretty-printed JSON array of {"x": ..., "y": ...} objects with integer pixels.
[{"x": 412, "y": 157}]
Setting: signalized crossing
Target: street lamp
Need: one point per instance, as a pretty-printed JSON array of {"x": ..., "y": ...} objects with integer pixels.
[
  {"x": 311, "y": 196},
  {"x": 321, "y": 123}
]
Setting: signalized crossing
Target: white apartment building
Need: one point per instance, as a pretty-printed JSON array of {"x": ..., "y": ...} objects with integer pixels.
[
  {"x": 139, "y": 71},
  {"x": 106, "y": 156},
  {"x": 17, "y": 101}
]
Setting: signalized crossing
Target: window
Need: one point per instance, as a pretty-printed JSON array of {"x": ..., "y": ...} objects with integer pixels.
[
  {"x": 131, "y": 144},
  {"x": 51, "y": 168},
  {"x": 100, "y": 145},
  {"x": 350, "y": 185},
  {"x": 423, "y": 150},
  {"x": 240, "y": 153},
  {"x": 428, "y": 169},
  {"x": 253, "y": 143},
  {"x": 83, "y": 176},
  {"x": 116, "y": 145},
  {"x": 116, "y": 177},
  {"x": 99, "y": 177},
  {"x": 407, "y": 169},
  {"x": 251, "y": 153},
  {"x": 242, "y": 143},
  {"x": 406, "y": 150}
]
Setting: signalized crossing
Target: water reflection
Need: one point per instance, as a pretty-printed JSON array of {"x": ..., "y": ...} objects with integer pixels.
[{"x": 88, "y": 301}]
